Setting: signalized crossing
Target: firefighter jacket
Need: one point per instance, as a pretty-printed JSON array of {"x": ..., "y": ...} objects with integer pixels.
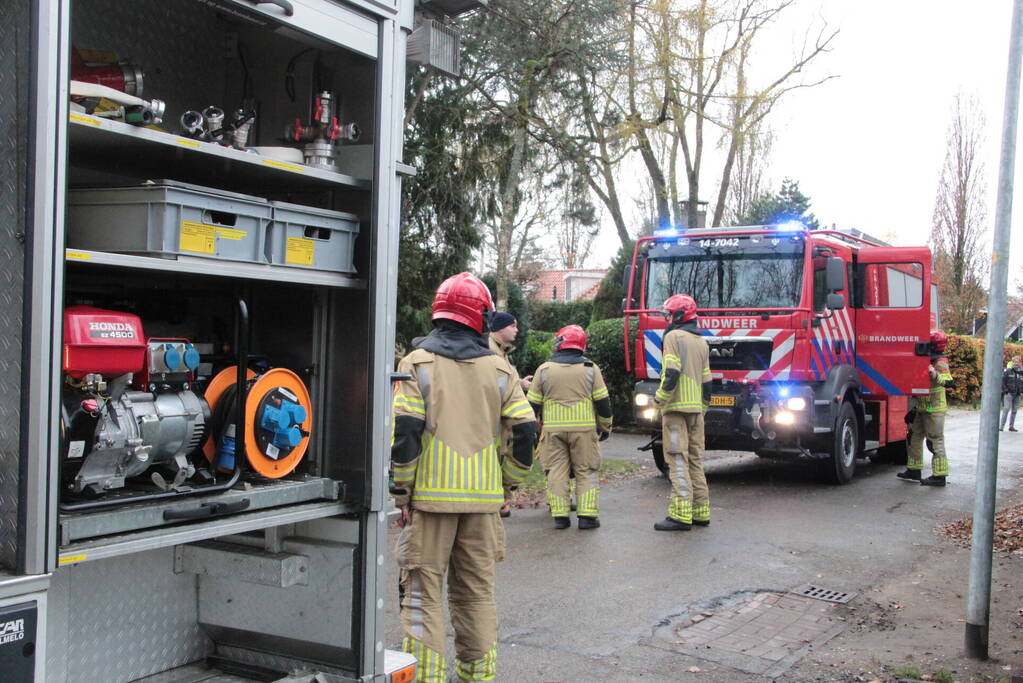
[
  {"x": 1012, "y": 380},
  {"x": 935, "y": 401},
  {"x": 447, "y": 425},
  {"x": 569, "y": 394},
  {"x": 685, "y": 377}
]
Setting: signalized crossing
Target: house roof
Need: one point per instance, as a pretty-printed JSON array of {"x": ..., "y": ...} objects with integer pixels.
[
  {"x": 543, "y": 287},
  {"x": 1013, "y": 318}
]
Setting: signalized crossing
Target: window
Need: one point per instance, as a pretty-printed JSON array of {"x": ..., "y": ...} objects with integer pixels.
[
  {"x": 820, "y": 289},
  {"x": 893, "y": 285}
]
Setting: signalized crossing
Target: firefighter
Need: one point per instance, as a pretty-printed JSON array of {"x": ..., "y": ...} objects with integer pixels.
[
  {"x": 1012, "y": 387},
  {"x": 569, "y": 395},
  {"x": 683, "y": 397},
  {"x": 929, "y": 423},
  {"x": 449, "y": 483},
  {"x": 504, "y": 328}
]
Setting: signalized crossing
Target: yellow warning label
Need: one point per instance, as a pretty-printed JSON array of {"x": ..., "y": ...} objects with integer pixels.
[
  {"x": 78, "y": 255},
  {"x": 300, "y": 251},
  {"x": 81, "y": 118},
  {"x": 281, "y": 164},
  {"x": 230, "y": 234},
  {"x": 198, "y": 238},
  {"x": 201, "y": 238},
  {"x": 70, "y": 559},
  {"x": 187, "y": 143}
]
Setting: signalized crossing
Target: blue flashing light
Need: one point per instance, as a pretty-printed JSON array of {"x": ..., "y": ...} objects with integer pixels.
[
  {"x": 666, "y": 232},
  {"x": 791, "y": 225},
  {"x": 784, "y": 392}
]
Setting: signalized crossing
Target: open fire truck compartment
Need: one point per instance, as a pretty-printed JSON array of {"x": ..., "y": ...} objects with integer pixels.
[
  {"x": 818, "y": 338},
  {"x": 198, "y": 264}
]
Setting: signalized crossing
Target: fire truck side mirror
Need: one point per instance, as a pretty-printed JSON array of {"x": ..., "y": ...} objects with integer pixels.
[
  {"x": 835, "y": 275},
  {"x": 836, "y": 301}
]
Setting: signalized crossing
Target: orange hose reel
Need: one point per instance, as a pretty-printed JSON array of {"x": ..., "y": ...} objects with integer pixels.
[{"x": 273, "y": 380}]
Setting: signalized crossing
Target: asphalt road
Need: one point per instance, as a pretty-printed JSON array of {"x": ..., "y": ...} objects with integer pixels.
[{"x": 583, "y": 605}]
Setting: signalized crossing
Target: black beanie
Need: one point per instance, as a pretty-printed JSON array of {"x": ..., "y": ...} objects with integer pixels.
[{"x": 501, "y": 320}]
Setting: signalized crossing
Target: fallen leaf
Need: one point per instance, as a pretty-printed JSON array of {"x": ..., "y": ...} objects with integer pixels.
[{"x": 694, "y": 669}]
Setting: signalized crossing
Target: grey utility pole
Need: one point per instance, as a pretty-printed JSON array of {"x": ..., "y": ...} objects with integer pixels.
[{"x": 979, "y": 599}]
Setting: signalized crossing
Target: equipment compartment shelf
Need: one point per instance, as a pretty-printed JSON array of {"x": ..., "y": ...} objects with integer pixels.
[
  {"x": 150, "y": 539},
  {"x": 107, "y": 145},
  {"x": 203, "y": 266},
  {"x": 133, "y": 517}
]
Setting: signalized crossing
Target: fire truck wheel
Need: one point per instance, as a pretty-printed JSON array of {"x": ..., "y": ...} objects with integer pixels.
[
  {"x": 839, "y": 468},
  {"x": 658, "y": 451}
]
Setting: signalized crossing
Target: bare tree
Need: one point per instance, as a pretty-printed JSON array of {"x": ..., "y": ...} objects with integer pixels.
[
  {"x": 749, "y": 179},
  {"x": 960, "y": 218},
  {"x": 696, "y": 76}
]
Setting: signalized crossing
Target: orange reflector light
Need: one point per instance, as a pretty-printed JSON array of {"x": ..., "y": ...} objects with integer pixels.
[{"x": 406, "y": 675}]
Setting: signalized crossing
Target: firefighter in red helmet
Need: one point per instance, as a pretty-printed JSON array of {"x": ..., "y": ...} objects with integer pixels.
[
  {"x": 449, "y": 483},
  {"x": 569, "y": 395},
  {"x": 683, "y": 397},
  {"x": 929, "y": 421}
]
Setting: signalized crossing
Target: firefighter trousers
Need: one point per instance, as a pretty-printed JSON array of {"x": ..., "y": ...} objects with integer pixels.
[
  {"x": 682, "y": 441},
  {"x": 466, "y": 547},
  {"x": 928, "y": 426},
  {"x": 579, "y": 453}
]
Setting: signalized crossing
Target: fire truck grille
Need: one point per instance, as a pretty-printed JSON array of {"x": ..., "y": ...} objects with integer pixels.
[{"x": 740, "y": 355}]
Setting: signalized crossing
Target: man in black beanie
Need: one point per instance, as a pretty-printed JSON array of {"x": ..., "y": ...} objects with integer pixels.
[{"x": 503, "y": 330}]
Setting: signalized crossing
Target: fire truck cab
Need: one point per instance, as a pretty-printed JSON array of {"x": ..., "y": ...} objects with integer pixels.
[{"x": 819, "y": 339}]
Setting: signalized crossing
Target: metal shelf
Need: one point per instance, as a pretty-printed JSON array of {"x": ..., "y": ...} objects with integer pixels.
[
  {"x": 126, "y": 544},
  {"x": 114, "y": 146},
  {"x": 75, "y": 527},
  {"x": 213, "y": 267}
]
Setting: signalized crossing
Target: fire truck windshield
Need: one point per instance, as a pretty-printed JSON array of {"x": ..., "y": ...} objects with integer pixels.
[{"x": 760, "y": 273}]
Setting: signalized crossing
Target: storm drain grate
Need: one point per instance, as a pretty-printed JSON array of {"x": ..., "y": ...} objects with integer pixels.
[{"x": 821, "y": 593}]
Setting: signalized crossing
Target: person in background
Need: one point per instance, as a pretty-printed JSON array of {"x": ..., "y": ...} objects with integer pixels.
[
  {"x": 683, "y": 397},
  {"x": 504, "y": 328},
  {"x": 572, "y": 401},
  {"x": 1012, "y": 387},
  {"x": 929, "y": 422}
]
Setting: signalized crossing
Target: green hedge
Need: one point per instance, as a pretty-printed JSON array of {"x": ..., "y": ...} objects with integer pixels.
[
  {"x": 551, "y": 316},
  {"x": 966, "y": 359},
  {"x": 537, "y": 350}
]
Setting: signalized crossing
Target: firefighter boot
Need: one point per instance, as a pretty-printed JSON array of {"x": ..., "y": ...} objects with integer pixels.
[
  {"x": 588, "y": 522},
  {"x": 669, "y": 524},
  {"x": 933, "y": 480},
  {"x": 562, "y": 522},
  {"x": 909, "y": 475}
]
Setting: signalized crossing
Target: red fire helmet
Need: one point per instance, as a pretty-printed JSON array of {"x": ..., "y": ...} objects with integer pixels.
[
  {"x": 571, "y": 337},
  {"x": 939, "y": 339},
  {"x": 463, "y": 298},
  {"x": 680, "y": 304}
]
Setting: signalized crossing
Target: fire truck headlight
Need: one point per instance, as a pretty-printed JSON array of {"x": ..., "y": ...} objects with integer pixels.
[
  {"x": 642, "y": 400},
  {"x": 650, "y": 414},
  {"x": 785, "y": 418},
  {"x": 796, "y": 403}
]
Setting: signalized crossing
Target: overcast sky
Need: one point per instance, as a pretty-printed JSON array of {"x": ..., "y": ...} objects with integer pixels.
[{"x": 867, "y": 146}]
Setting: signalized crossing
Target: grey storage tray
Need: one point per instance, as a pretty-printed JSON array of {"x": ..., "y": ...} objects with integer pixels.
[
  {"x": 168, "y": 218},
  {"x": 307, "y": 237}
]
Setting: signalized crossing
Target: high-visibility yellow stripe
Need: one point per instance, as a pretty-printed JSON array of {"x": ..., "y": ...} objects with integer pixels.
[
  {"x": 578, "y": 415},
  {"x": 599, "y": 394},
  {"x": 534, "y": 397},
  {"x": 518, "y": 409}
]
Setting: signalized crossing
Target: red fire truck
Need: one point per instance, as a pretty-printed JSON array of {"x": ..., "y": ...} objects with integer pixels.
[{"x": 818, "y": 338}]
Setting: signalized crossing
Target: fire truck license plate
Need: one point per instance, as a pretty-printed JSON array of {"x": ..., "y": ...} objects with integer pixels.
[{"x": 722, "y": 400}]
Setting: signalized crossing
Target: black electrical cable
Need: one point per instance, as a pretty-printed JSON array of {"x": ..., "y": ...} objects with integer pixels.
[{"x": 289, "y": 73}]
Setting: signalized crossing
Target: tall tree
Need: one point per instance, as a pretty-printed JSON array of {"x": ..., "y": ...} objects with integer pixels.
[
  {"x": 448, "y": 141},
  {"x": 960, "y": 218},
  {"x": 788, "y": 204},
  {"x": 692, "y": 77},
  {"x": 528, "y": 51}
]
